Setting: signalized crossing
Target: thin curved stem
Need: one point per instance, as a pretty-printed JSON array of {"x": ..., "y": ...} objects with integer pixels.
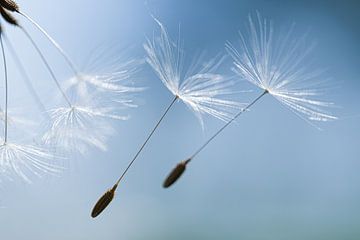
[
  {"x": 227, "y": 124},
  {"x": 47, "y": 65},
  {"x": 25, "y": 75},
  {"x": 147, "y": 139},
  {"x": 6, "y": 90},
  {"x": 53, "y": 42}
]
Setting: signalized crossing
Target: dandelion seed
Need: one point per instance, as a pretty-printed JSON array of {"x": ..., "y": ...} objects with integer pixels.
[
  {"x": 103, "y": 202},
  {"x": 277, "y": 66},
  {"x": 200, "y": 90},
  {"x": 176, "y": 173}
]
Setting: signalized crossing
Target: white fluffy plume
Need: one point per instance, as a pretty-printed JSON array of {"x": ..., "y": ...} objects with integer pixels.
[
  {"x": 200, "y": 87},
  {"x": 278, "y": 63}
]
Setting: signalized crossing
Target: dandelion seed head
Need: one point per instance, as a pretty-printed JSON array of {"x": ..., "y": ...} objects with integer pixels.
[
  {"x": 201, "y": 88},
  {"x": 279, "y": 64},
  {"x": 25, "y": 161},
  {"x": 99, "y": 94},
  {"x": 78, "y": 128}
]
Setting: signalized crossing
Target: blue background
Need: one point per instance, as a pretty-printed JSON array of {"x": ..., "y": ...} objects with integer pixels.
[{"x": 270, "y": 176}]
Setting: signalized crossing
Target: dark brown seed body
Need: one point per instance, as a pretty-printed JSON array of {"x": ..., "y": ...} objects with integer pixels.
[
  {"x": 9, "y": 5},
  {"x": 8, "y": 17},
  {"x": 176, "y": 173},
  {"x": 103, "y": 202}
]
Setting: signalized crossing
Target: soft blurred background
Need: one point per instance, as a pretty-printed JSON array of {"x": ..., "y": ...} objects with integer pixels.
[{"x": 270, "y": 176}]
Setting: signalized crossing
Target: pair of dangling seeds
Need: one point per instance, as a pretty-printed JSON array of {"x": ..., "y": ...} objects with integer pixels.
[
  {"x": 277, "y": 64},
  {"x": 174, "y": 175}
]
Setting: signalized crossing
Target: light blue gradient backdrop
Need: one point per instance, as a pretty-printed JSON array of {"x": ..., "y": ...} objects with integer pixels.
[{"x": 270, "y": 176}]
